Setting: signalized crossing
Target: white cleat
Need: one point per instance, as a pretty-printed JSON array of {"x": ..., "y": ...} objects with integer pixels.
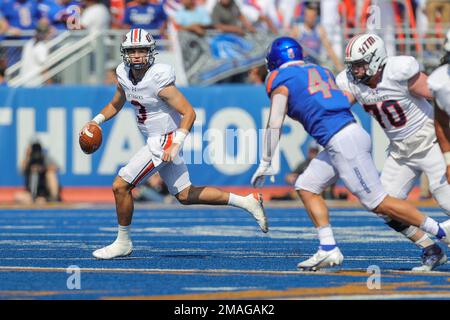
[
  {"x": 115, "y": 250},
  {"x": 432, "y": 257},
  {"x": 446, "y": 227},
  {"x": 322, "y": 259},
  {"x": 256, "y": 209}
]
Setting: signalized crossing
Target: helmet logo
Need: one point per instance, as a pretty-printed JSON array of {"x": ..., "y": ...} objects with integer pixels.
[
  {"x": 291, "y": 53},
  {"x": 366, "y": 45},
  {"x": 149, "y": 37}
]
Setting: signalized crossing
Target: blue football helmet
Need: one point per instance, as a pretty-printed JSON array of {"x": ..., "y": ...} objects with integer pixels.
[{"x": 282, "y": 50}]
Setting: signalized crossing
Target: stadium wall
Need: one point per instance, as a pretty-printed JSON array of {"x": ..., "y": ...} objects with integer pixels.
[{"x": 222, "y": 149}]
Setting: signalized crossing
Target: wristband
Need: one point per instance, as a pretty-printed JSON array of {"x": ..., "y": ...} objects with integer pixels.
[
  {"x": 180, "y": 136},
  {"x": 99, "y": 119},
  {"x": 447, "y": 157}
]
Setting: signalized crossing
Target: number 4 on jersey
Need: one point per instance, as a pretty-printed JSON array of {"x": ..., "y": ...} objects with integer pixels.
[{"x": 316, "y": 83}]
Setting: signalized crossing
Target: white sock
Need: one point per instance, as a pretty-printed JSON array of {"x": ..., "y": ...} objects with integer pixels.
[
  {"x": 430, "y": 225},
  {"x": 326, "y": 237},
  {"x": 123, "y": 233},
  {"x": 237, "y": 201},
  {"x": 424, "y": 242}
]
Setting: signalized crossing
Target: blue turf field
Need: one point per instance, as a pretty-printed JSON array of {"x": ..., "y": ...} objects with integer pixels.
[{"x": 205, "y": 253}]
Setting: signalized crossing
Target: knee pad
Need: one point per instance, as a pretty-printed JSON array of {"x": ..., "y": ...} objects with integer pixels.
[{"x": 397, "y": 226}]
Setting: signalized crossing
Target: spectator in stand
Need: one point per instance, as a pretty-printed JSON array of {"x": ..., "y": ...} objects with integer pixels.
[
  {"x": 147, "y": 15},
  {"x": 313, "y": 151},
  {"x": 2, "y": 75},
  {"x": 153, "y": 190},
  {"x": 421, "y": 18},
  {"x": 378, "y": 16},
  {"x": 287, "y": 11},
  {"x": 227, "y": 17},
  {"x": 41, "y": 177},
  {"x": 58, "y": 12},
  {"x": 257, "y": 75},
  {"x": 262, "y": 14},
  {"x": 34, "y": 55},
  {"x": 95, "y": 15},
  {"x": 193, "y": 18},
  {"x": 313, "y": 37},
  {"x": 21, "y": 15},
  {"x": 117, "y": 10},
  {"x": 3, "y": 26},
  {"x": 331, "y": 22},
  {"x": 438, "y": 14},
  {"x": 438, "y": 10}
]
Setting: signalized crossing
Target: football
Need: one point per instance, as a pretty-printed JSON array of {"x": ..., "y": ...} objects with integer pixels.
[{"x": 90, "y": 138}]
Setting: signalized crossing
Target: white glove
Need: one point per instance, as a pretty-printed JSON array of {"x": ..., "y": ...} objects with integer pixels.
[{"x": 264, "y": 169}]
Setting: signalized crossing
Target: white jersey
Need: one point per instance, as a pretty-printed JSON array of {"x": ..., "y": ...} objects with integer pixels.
[
  {"x": 153, "y": 115},
  {"x": 399, "y": 113},
  {"x": 439, "y": 84}
]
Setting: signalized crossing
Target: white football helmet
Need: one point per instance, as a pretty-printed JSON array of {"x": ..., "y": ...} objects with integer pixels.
[
  {"x": 368, "y": 48},
  {"x": 138, "y": 38}
]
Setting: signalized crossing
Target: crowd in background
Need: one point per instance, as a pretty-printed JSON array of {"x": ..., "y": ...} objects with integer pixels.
[
  {"x": 325, "y": 20},
  {"x": 322, "y": 27}
]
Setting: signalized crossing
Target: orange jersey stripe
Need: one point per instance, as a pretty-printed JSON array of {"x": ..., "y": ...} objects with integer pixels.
[
  {"x": 169, "y": 141},
  {"x": 272, "y": 77},
  {"x": 150, "y": 167}
]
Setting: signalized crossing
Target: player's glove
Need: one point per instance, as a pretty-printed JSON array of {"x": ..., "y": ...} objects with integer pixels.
[{"x": 259, "y": 177}]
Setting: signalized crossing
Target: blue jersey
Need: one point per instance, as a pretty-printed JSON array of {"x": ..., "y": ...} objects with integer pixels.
[
  {"x": 21, "y": 15},
  {"x": 150, "y": 16},
  {"x": 57, "y": 13},
  {"x": 314, "y": 99}
]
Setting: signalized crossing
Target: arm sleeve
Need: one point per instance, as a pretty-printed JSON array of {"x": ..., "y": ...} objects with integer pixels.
[{"x": 273, "y": 131}]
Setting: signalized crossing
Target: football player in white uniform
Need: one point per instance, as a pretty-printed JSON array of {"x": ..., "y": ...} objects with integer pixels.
[
  {"x": 439, "y": 84},
  {"x": 394, "y": 92},
  {"x": 165, "y": 117}
]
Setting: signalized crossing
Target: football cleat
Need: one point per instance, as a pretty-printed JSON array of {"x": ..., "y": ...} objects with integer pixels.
[
  {"x": 322, "y": 259},
  {"x": 115, "y": 250},
  {"x": 432, "y": 257},
  {"x": 256, "y": 209}
]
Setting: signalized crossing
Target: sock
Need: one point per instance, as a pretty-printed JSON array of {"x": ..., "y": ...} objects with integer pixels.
[
  {"x": 237, "y": 201},
  {"x": 424, "y": 242},
  {"x": 326, "y": 238},
  {"x": 441, "y": 233},
  {"x": 123, "y": 233},
  {"x": 431, "y": 226}
]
